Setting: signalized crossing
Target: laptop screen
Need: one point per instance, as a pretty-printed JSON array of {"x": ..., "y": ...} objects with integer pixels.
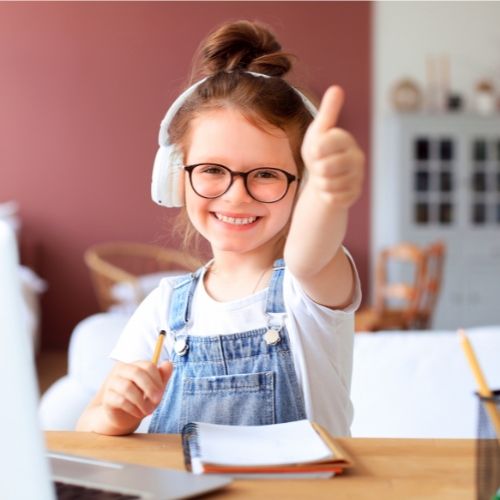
[{"x": 24, "y": 469}]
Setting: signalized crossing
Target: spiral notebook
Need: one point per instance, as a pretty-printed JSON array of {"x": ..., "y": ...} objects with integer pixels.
[{"x": 293, "y": 449}]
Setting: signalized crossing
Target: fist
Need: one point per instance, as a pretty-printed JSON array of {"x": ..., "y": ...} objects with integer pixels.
[
  {"x": 333, "y": 160},
  {"x": 134, "y": 390}
]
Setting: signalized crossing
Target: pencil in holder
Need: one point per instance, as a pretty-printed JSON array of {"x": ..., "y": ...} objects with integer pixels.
[{"x": 488, "y": 448}]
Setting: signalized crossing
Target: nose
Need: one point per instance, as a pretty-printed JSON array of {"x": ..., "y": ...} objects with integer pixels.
[{"x": 237, "y": 193}]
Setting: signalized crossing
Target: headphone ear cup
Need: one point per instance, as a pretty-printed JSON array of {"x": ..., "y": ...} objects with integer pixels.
[
  {"x": 175, "y": 179},
  {"x": 167, "y": 186}
]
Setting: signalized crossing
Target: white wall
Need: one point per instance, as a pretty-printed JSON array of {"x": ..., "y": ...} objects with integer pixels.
[{"x": 404, "y": 33}]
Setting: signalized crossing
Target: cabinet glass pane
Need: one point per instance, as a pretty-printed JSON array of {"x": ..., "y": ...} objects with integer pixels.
[
  {"x": 422, "y": 181},
  {"x": 479, "y": 182},
  {"x": 480, "y": 150},
  {"x": 422, "y": 213},
  {"x": 498, "y": 213},
  {"x": 446, "y": 149},
  {"x": 445, "y": 213},
  {"x": 422, "y": 149},
  {"x": 498, "y": 182},
  {"x": 479, "y": 213},
  {"x": 445, "y": 182}
]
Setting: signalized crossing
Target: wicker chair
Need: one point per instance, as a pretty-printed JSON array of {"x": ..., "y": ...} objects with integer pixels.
[{"x": 122, "y": 262}]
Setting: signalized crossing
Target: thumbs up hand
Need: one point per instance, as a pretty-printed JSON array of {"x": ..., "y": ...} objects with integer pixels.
[{"x": 331, "y": 155}]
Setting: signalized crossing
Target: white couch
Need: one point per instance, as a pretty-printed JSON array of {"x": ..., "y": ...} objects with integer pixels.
[
  {"x": 418, "y": 384},
  {"x": 405, "y": 384}
]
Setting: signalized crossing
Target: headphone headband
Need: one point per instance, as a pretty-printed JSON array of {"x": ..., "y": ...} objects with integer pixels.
[{"x": 167, "y": 186}]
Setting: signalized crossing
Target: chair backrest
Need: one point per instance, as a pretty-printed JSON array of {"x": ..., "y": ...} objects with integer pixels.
[
  {"x": 435, "y": 257},
  {"x": 126, "y": 262},
  {"x": 406, "y": 293}
]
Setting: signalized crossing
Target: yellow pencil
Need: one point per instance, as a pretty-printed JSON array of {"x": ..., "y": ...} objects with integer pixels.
[
  {"x": 159, "y": 345},
  {"x": 484, "y": 391}
]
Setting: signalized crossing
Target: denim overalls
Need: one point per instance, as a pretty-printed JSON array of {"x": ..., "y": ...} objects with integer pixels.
[{"x": 243, "y": 378}]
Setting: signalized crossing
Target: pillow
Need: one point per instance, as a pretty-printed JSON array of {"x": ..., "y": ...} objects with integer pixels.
[{"x": 126, "y": 294}]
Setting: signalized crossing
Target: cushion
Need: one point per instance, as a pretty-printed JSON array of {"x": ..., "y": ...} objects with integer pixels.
[
  {"x": 126, "y": 294},
  {"x": 91, "y": 343}
]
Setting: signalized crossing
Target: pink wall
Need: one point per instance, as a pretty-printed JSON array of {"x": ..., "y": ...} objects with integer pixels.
[{"x": 83, "y": 88}]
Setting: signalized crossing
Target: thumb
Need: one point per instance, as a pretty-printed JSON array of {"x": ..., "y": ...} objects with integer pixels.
[
  {"x": 329, "y": 110},
  {"x": 166, "y": 369}
]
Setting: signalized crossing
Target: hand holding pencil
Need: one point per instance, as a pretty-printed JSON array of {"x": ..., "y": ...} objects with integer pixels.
[{"x": 131, "y": 392}]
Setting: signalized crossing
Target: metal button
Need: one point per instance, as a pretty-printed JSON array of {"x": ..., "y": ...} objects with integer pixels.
[
  {"x": 272, "y": 337},
  {"x": 181, "y": 347}
]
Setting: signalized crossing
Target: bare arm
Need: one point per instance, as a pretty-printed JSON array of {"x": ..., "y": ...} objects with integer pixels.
[
  {"x": 130, "y": 392},
  {"x": 313, "y": 251}
]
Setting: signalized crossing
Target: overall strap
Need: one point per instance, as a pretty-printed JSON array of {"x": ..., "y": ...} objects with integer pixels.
[
  {"x": 184, "y": 289},
  {"x": 274, "y": 300},
  {"x": 181, "y": 300}
]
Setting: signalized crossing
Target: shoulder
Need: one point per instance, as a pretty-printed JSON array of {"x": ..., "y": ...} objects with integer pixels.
[{"x": 168, "y": 284}]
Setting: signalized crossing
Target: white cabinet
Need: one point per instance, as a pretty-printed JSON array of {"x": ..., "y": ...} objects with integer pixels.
[{"x": 442, "y": 181}]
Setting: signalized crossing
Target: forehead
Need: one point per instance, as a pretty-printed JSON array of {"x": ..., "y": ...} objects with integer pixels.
[{"x": 227, "y": 136}]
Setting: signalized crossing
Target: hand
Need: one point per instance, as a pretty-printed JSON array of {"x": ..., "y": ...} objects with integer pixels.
[
  {"x": 331, "y": 155},
  {"x": 133, "y": 391}
]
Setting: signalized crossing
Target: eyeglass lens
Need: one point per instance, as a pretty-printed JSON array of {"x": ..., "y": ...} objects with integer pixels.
[{"x": 263, "y": 184}]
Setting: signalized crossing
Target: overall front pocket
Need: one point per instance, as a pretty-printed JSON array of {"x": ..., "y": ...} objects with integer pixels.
[{"x": 228, "y": 399}]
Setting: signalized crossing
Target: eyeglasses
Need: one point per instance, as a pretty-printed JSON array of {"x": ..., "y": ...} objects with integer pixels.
[{"x": 267, "y": 185}]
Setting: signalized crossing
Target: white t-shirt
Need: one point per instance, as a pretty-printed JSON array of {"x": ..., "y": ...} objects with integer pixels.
[{"x": 321, "y": 340}]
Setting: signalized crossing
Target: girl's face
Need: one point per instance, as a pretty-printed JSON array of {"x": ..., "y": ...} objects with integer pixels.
[{"x": 226, "y": 137}]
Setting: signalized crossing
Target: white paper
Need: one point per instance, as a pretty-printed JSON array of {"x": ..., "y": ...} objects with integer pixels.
[{"x": 263, "y": 445}]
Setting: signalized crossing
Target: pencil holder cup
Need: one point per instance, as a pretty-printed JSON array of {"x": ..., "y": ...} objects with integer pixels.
[{"x": 487, "y": 449}]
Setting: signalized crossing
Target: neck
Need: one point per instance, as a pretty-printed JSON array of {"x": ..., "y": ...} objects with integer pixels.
[{"x": 233, "y": 276}]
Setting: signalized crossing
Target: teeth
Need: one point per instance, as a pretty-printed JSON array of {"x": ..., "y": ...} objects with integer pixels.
[{"x": 236, "y": 222}]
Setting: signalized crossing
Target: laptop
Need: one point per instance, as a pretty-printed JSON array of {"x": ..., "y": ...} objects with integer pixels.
[{"x": 27, "y": 471}]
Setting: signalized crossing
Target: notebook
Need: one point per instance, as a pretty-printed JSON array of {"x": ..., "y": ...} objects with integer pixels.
[
  {"x": 26, "y": 471},
  {"x": 294, "y": 449}
]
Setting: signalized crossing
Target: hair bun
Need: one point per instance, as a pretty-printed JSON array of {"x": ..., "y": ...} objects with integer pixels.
[{"x": 245, "y": 46}]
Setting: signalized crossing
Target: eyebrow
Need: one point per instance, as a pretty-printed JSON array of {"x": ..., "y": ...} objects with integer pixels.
[{"x": 244, "y": 167}]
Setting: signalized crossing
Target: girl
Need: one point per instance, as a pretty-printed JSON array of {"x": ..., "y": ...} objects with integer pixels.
[{"x": 250, "y": 340}]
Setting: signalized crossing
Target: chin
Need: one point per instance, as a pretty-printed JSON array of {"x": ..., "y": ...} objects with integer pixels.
[{"x": 234, "y": 248}]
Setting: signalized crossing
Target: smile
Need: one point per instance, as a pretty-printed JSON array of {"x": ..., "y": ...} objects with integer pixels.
[{"x": 234, "y": 221}]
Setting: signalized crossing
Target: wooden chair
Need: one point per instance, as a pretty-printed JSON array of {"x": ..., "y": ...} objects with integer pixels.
[
  {"x": 122, "y": 262},
  {"x": 396, "y": 302},
  {"x": 435, "y": 257}
]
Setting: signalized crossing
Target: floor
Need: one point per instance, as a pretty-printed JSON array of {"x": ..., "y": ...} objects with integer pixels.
[{"x": 50, "y": 366}]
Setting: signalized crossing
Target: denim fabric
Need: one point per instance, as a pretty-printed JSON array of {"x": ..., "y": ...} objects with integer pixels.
[{"x": 235, "y": 379}]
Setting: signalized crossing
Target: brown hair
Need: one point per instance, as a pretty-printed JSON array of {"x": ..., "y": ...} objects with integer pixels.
[{"x": 226, "y": 57}]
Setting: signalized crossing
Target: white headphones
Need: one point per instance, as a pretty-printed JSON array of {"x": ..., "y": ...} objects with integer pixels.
[{"x": 167, "y": 186}]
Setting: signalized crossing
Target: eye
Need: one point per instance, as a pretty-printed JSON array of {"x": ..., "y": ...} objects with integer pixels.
[
  {"x": 211, "y": 169},
  {"x": 268, "y": 174}
]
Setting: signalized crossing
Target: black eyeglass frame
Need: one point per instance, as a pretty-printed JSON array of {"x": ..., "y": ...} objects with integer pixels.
[{"x": 289, "y": 177}]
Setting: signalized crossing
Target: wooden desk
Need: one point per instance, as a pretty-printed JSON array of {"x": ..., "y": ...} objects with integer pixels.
[{"x": 386, "y": 469}]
